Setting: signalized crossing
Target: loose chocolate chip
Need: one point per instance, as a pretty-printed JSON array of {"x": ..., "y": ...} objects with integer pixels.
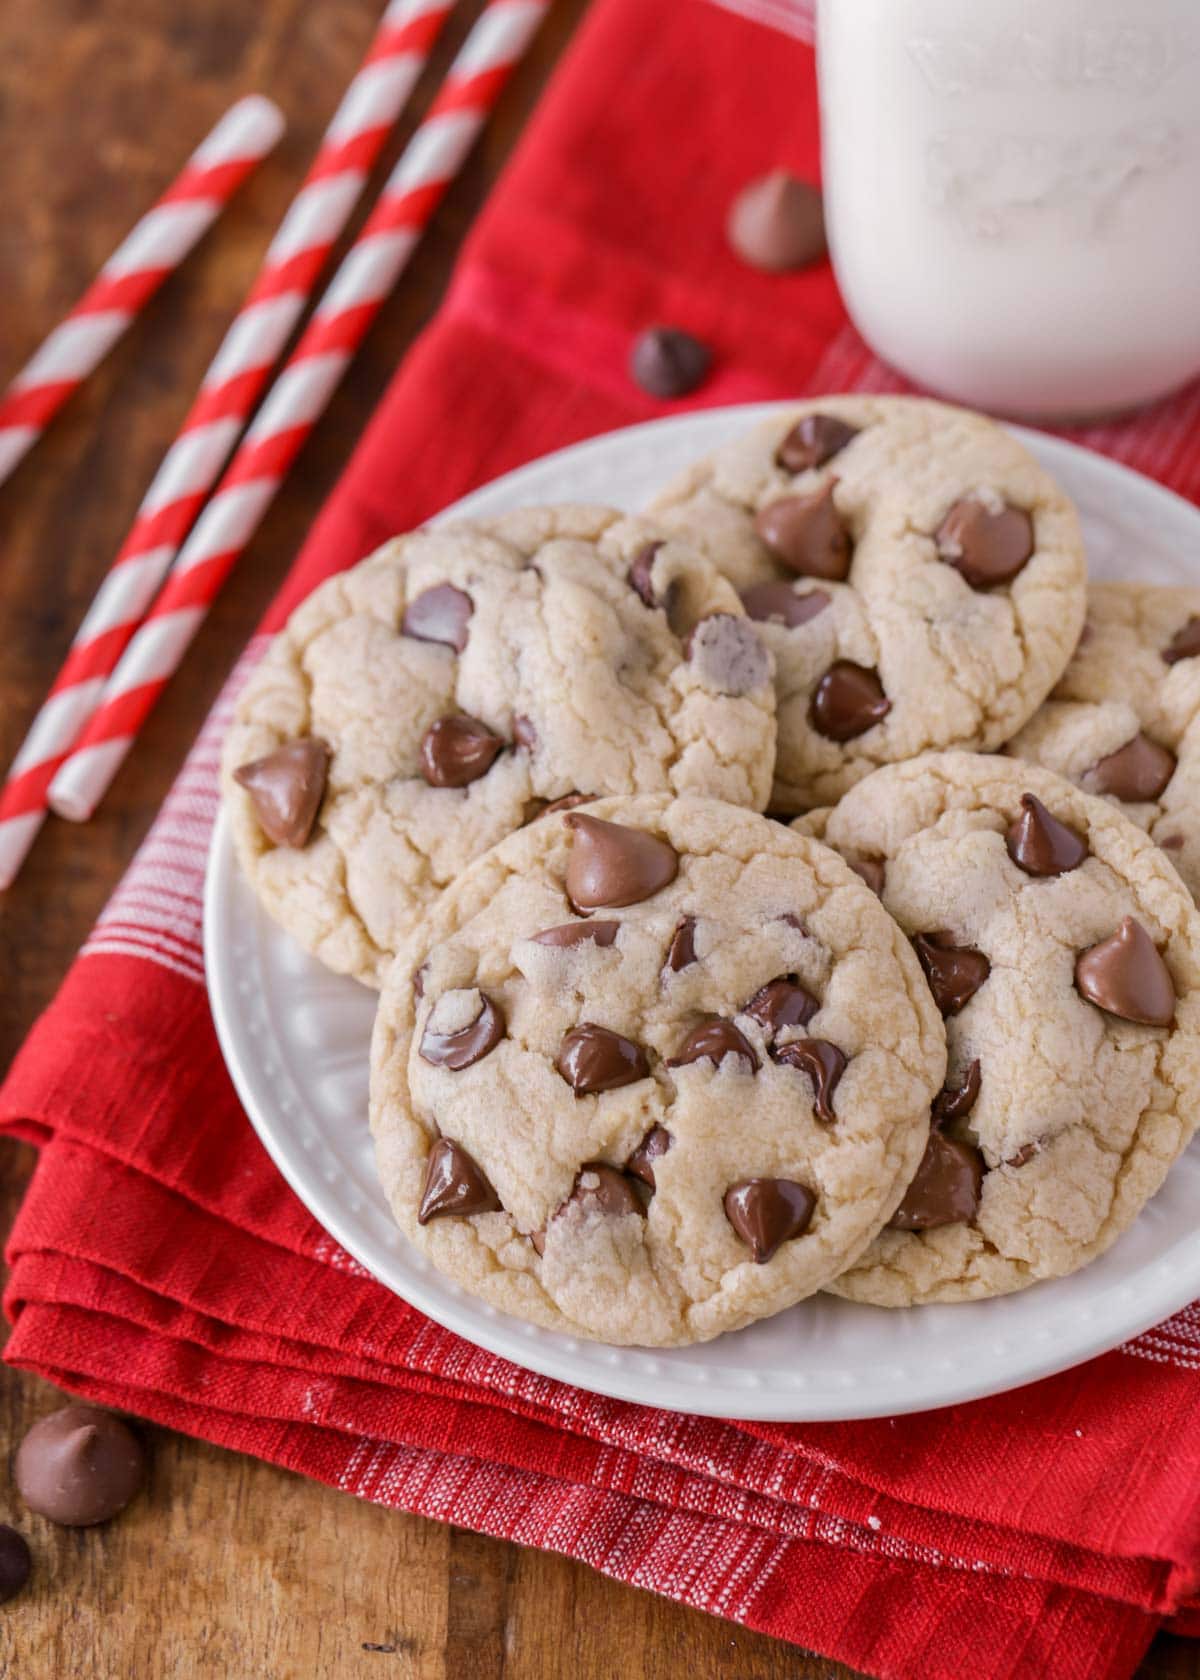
[
  {"x": 711, "y": 1041},
  {"x": 727, "y": 656},
  {"x": 807, "y": 535},
  {"x": 848, "y": 700},
  {"x": 779, "y": 603},
  {"x": 824, "y": 1064},
  {"x": 593, "y": 1058},
  {"x": 524, "y": 733},
  {"x": 1184, "y": 644},
  {"x": 612, "y": 865},
  {"x": 578, "y": 933},
  {"x": 777, "y": 223},
  {"x": 1138, "y": 771},
  {"x": 286, "y": 789},
  {"x": 15, "y": 1562},
  {"x": 666, "y": 362},
  {"x": 1025, "y": 1154},
  {"x": 639, "y": 574},
  {"x": 1041, "y": 845},
  {"x": 812, "y": 441},
  {"x": 454, "y": 1184},
  {"x": 872, "y": 870},
  {"x": 681, "y": 952},
  {"x": 641, "y": 1163},
  {"x": 946, "y": 1188},
  {"x": 954, "y": 1101},
  {"x": 568, "y": 802},
  {"x": 1125, "y": 976},
  {"x": 782, "y": 1002},
  {"x": 767, "y": 1212},
  {"x": 954, "y": 972},
  {"x": 79, "y": 1466},
  {"x": 988, "y": 546},
  {"x": 456, "y": 750},
  {"x": 470, "y": 1044},
  {"x": 440, "y": 614}
]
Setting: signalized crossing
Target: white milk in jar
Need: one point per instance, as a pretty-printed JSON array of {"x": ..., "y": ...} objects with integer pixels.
[{"x": 1012, "y": 190}]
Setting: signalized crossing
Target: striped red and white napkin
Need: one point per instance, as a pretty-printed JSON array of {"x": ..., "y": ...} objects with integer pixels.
[{"x": 160, "y": 1263}]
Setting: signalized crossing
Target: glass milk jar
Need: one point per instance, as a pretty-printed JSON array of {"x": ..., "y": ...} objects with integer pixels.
[{"x": 1012, "y": 189}]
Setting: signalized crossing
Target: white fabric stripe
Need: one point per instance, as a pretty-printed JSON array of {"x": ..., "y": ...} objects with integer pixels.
[
  {"x": 375, "y": 97},
  {"x": 498, "y": 37},
  {"x": 56, "y": 725},
  {"x": 435, "y": 151},
  {"x": 227, "y": 522},
  {"x": 255, "y": 338},
  {"x": 73, "y": 349},
  {"x": 791, "y": 17},
  {"x": 162, "y": 238},
  {"x": 369, "y": 271},
  {"x": 179, "y": 945},
  {"x": 148, "y": 953},
  {"x": 297, "y": 397},
  {"x": 248, "y": 129},
  {"x": 316, "y": 215},
  {"x": 192, "y": 463}
]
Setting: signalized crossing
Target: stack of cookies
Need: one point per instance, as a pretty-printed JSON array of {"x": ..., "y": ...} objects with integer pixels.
[{"x": 785, "y": 890}]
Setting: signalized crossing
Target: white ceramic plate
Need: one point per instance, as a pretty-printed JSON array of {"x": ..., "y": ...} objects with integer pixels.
[{"x": 296, "y": 1038}]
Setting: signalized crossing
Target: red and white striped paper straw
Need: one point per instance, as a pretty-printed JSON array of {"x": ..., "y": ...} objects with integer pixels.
[
  {"x": 134, "y": 272},
  {"x": 228, "y": 392},
  {"x": 299, "y": 396}
]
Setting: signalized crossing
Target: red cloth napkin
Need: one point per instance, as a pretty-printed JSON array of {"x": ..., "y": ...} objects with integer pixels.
[{"x": 160, "y": 1264}]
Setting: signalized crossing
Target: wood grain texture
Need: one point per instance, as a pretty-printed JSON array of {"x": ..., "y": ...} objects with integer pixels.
[{"x": 227, "y": 1566}]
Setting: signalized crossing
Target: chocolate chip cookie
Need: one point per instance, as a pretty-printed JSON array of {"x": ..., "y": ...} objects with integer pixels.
[
  {"x": 1064, "y": 954},
  {"x": 918, "y": 576},
  {"x": 424, "y": 704},
  {"x": 651, "y": 1069},
  {"x": 1122, "y": 720}
]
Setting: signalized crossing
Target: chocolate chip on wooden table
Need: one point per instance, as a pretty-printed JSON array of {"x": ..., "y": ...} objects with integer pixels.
[
  {"x": 1126, "y": 976},
  {"x": 727, "y": 655},
  {"x": 578, "y": 933},
  {"x": 441, "y": 614},
  {"x": 824, "y": 1064},
  {"x": 79, "y": 1466},
  {"x": 782, "y": 1002},
  {"x": 807, "y": 534},
  {"x": 592, "y": 1058},
  {"x": 652, "y": 1147},
  {"x": 286, "y": 788},
  {"x": 639, "y": 574},
  {"x": 15, "y": 1562},
  {"x": 681, "y": 952},
  {"x": 712, "y": 1040},
  {"x": 954, "y": 972},
  {"x": 777, "y": 222},
  {"x": 780, "y": 603},
  {"x": 848, "y": 700},
  {"x": 612, "y": 865},
  {"x": 1136, "y": 772},
  {"x": 813, "y": 440},
  {"x": 1184, "y": 644},
  {"x": 667, "y": 362},
  {"x": 954, "y": 1102},
  {"x": 988, "y": 544},
  {"x": 463, "y": 1046},
  {"x": 946, "y": 1188},
  {"x": 454, "y": 1184},
  {"x": 1041, "y": 845},
  {"x": 456, "y": 750},
  {"x": 767, "y": 1212}
]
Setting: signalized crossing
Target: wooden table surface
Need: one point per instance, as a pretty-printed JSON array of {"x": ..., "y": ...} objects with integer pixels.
[{"x": 229, "y": 1567}]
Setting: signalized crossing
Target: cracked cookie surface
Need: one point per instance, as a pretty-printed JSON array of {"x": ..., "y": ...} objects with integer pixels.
[
  {"x": 1122, "y": 721},
  {"x": 918, "y": 576},
  {"x": 1065, "y": 954},
  {"x": 422, "y": 705},
  {"x": 651, "y": 1069}
]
